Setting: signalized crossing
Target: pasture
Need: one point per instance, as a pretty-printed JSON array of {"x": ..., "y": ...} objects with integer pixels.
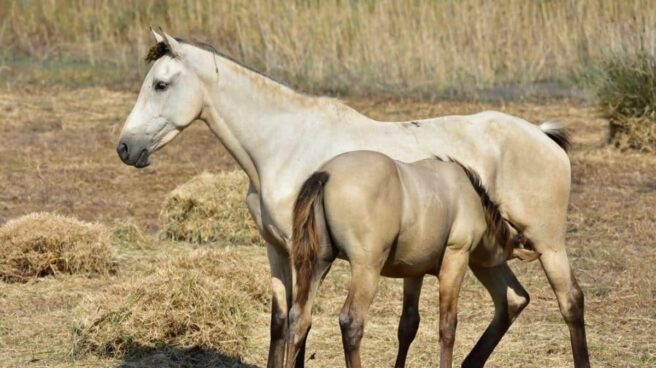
[{"x": 58, "y": 155}]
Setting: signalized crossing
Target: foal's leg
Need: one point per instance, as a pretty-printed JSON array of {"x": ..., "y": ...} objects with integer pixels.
[
  {"x": 409, "y": 322},
  {"x": 281, "y": 282},
  {"x": 300, "y": 316},
  {"x": 452, "y": 272},
  {"x": 364, "y": 280},
  {"x": 509, "y": 298}
]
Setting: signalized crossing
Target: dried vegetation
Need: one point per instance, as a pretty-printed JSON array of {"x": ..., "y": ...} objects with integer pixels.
[
  {"x": 204, "y": 300},
  {"x": 210, "y": 208},
  {"x": 43, "y": 244}
]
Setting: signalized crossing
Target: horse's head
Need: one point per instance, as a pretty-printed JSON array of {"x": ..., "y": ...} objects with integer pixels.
[{"x": 171, "y": 97}]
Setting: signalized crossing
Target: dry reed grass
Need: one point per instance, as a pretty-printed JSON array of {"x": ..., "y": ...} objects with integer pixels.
[
  {"x": 390, "y": 47},
  {"x": 205, "y": 300},
  {"x": 128, "y": 234},
  {"x": 626, "y": 95},
  {"x": 210, "y": 208},
  {"x": 42, "y": 244}
]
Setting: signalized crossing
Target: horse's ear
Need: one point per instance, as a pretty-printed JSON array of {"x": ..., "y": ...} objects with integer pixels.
[
  {"x": 172, "y": 43},
  {"x": 158, "y": 37}
]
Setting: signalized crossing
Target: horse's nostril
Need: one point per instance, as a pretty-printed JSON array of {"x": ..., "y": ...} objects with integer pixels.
[{"x": 122, "y": 150}]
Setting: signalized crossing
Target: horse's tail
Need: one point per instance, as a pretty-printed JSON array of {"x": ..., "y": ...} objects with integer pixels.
[
  {"x": 309, "y": 231},
  {"x": 557, "y": 132},
  {"x": 514, "y": 246}
]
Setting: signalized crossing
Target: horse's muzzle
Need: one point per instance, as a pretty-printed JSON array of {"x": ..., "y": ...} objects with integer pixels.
[{"x": 132, "y": 154}]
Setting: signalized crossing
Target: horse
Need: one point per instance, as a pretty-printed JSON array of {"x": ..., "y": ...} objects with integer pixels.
[
  {"x": 279, "y": 137},
  {"x": 393, "y": 219}
]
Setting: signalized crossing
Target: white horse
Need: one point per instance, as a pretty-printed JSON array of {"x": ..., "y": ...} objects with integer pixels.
[{"x": 279, "y": 137}]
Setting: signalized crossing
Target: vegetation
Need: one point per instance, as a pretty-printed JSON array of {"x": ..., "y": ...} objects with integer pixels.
[
  {"x": 610, "y": 241},
  {"x": 210, "y": 208},
  {"x": 180, "y": 304},
  {"x": 626, "y": 94},
  {"x": 42, "y": 244},
  {"x": 401, "y": 48}
]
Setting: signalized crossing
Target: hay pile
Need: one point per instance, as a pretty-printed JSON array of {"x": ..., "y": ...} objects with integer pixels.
[
  {"x": 204, "y": 301},
  {"x": 210, "y": 208},
  {"x": 42, "y": 244}
]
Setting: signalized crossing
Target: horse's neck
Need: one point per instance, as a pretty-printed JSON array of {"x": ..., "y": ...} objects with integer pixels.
[{"x": 266, "y": 125}]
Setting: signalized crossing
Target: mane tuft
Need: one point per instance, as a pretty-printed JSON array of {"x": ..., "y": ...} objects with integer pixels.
[{"x": 157, "y": 51}]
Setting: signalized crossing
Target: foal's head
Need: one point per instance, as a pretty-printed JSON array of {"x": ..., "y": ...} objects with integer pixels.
[{"x": 171, "y": 98}]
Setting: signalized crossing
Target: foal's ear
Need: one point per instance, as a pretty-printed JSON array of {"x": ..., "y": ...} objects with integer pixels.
[
  {"x": 158, "y": 37},
  {"x": 172, "y": 43}
]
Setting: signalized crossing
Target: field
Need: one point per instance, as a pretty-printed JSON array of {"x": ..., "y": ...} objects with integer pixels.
[
  {"x": 58, "y": 155},
  {"x": 428, "y": 48},
  {"x": 69, "y": 75}
]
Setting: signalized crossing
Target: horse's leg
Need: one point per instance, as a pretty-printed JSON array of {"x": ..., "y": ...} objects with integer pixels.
[
  {"x": 570, "y": 300},
  {"x": 509, "y": 298},
  {"x": 452, "y": 272},
  {"x": 548, "y": 237},
  {"x": 281, "y": 282},
  {"x": 409, "y": 322},
  {"x": 364, "y": 281}
]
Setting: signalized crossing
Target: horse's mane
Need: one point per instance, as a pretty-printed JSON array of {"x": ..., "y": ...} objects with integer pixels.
[{"x": 161, "y": 48}]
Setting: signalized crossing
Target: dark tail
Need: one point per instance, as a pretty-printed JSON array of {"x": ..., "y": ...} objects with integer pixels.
[
  {"x": 557, "y": 133},
  {"x": 514, "y": 246},
  {"x": 308, "y": 232}
]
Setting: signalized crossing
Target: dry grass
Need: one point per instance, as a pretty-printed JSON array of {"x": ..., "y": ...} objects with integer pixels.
[
  {"x": 610, "y": 242},
  {"x": 43, "y": 244},
  {"x": 179, "y": 305},
  {"x": 210, "y": 208},
  {"x": 127, "y": 233},
  {"x": 626, "y": 95},
  {"x": 423, "y": 48}
]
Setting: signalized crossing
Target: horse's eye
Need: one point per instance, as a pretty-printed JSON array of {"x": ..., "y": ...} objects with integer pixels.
[{"x": 160, "y": 86}]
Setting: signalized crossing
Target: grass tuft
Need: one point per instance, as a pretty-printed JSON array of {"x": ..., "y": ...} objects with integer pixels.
[
  {"x": 210, "y": 208},
  {"x": 128, "y": 234},
  {"x": 203, "y": 301},
  {"x": 626, "y": 96},
  {"x": 43, "y": 244}
]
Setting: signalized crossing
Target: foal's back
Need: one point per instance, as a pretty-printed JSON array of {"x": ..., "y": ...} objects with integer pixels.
[{"x": 401, "y": 214}]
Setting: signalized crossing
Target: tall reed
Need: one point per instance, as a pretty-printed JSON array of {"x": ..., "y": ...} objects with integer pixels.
[{"x": 381, "y": 47}]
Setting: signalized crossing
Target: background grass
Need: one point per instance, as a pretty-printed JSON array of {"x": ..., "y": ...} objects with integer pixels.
[
  {"x": 509, "y": 48},
  {"x": 625, "y": 87}
]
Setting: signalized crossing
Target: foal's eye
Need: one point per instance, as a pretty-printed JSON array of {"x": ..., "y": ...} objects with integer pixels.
[{"x": 160, "y": 86}]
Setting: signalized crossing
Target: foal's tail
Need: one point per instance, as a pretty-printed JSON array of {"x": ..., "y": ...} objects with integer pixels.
[
  {"x": 514, "y": 246},
  {"x": 309, "y": 231}
]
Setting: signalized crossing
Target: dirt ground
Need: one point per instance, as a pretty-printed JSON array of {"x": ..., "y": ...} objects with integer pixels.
[{"x": 57, "y": 154}]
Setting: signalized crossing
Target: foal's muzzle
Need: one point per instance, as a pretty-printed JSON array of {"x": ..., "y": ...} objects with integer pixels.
[{"x": 132, "y": 153}]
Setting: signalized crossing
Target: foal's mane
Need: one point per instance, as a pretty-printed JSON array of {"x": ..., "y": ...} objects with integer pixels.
[{"x": 499, "y": 227}]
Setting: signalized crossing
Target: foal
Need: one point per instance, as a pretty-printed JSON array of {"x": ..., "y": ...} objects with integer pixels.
[{"x": 397, "y": 220}]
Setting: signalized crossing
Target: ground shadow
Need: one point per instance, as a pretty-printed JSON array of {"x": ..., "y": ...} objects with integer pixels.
[{"x": 170, "y": 357}]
